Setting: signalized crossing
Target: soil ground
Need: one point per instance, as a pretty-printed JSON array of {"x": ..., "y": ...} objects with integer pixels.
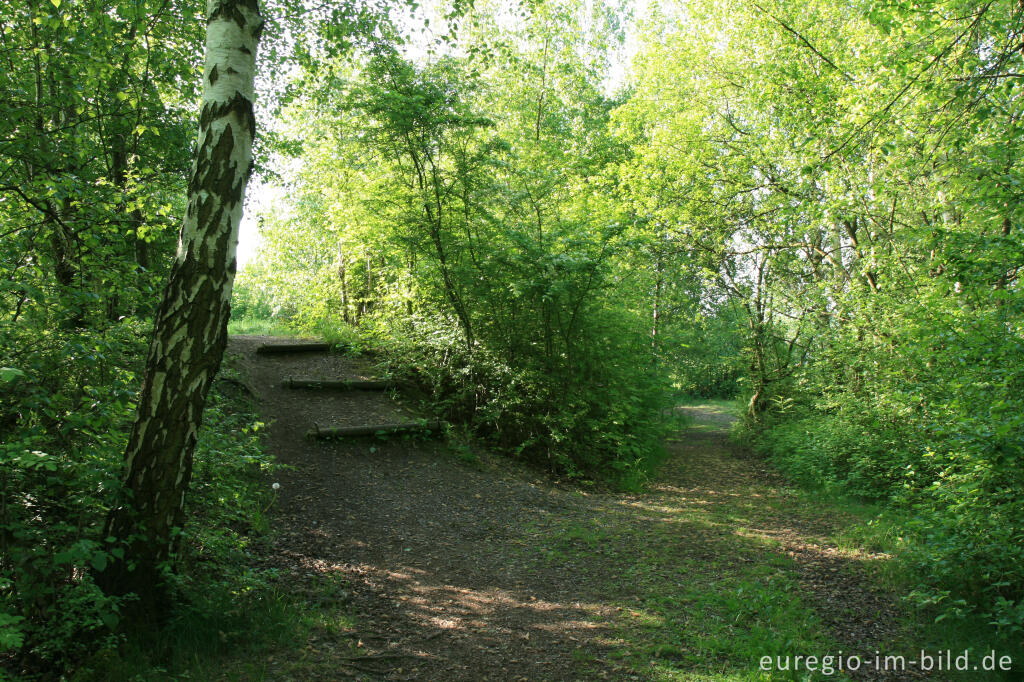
[{"x": 439, "y": 569}]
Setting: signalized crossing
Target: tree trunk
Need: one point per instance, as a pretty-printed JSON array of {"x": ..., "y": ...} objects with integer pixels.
[
  {"x": 344, "y": 283},
  {"x": 190, "y": 330},
  {"x": 656, "y": 307}
]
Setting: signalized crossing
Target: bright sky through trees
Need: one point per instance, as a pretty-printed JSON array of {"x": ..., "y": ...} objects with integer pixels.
[{"x": 424, "y": 29}]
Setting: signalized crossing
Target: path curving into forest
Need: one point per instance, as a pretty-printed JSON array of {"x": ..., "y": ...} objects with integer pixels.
[{"x": 444, "y": 570}]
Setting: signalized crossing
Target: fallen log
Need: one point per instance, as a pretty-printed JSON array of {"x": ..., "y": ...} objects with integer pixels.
[
  {"x": 353, "y": 385},
  {"x": 307, "y": 347},
  {"x": 374, "y": 430}
]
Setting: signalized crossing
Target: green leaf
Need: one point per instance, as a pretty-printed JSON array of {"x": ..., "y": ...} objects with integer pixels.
[
  {"x": 109, "y": 619},
  {"x": 8, "y": 374},
  {"x": 11, "y": 634}
]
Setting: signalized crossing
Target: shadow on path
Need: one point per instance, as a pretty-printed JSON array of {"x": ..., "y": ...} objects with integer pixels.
[{"x": 491, "y": 573}]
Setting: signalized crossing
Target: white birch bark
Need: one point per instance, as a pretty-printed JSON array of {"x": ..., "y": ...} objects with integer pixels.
[{"x": 190, "y": 330}]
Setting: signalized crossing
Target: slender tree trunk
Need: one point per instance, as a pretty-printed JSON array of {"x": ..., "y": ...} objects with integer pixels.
[
  {"x": 190, "y": 331},
  {"x": 435, "y": 224},
  {"x": 758, "y": 404},
  {"x": 367, "y": 301},
  {"x": 656, "y": 311},
  {"x": 64, "y": 269},
  {"x": 344, "y": 283}
]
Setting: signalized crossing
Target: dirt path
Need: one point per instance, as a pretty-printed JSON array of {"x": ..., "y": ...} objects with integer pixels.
[{"x": 445, "y": 571}]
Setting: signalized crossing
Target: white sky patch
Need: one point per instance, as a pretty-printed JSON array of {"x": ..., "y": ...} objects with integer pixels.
[
  {"x": 259, "y": 198},
  {"x": 424, "y": 29},
  {"x": 620, "y": 71}
]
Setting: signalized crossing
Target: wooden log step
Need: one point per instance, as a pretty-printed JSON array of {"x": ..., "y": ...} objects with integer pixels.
[
  {"x": 339, "y": 385},
  {"x": 301, "y": 347},
  {"x": 374, "y": 430}
]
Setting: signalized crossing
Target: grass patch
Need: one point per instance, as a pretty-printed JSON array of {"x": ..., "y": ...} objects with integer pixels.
[
  {"x": 704, "y": 585},
  {"x": 880, "y": 529},
  {"x": 718, "y": 406},
  {"x": 700, "y": 603},
  {"x": 222, "y": 634},
  {"x": 339, "y": 333},
  {"x": 718, "y": 413},
  {"x": 201, "y": 638},
  {"x": 874, "y": 528},
  {"x": 252, "y": 326},
  {"x": 335, "y": 332}
]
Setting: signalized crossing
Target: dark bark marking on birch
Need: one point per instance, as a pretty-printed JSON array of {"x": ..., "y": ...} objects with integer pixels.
[
  {"x": 238, "y": 104},
  {"x": 230, "y": 11},
  {"x": 190, "y": 327}
]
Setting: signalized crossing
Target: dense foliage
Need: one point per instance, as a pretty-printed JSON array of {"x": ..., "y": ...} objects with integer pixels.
[
  {"x": 854, "y": 170},
  {"x": 94, "y": 161},
  {"x": 814, "y": 206},
  {"x": 96, "y": 138},
  {"x": 470, "y": 225},
  {"x": 71, "y": 401}
]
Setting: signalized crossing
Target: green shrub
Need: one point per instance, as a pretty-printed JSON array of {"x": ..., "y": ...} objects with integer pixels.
[
  {"x": 601, "y": 421},
  {"x": 939, "y": 435},
  {"x": 67, "y": 408}
]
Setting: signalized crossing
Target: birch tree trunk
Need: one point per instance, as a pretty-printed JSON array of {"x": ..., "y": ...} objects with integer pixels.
[{"x": 190, "y": 330}]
